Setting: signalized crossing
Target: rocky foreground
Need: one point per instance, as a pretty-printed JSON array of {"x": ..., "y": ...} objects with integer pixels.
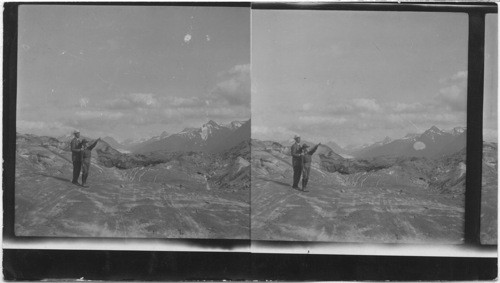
[
  {"x": 489, "y": 195},
  {"x": 403, "y": 201},
  {"x": 188, "y": 195}
]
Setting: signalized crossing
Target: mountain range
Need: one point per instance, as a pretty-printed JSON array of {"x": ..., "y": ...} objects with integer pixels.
[
  {"x": 159, "y": 194},
  {"x": 432, "y": 143},
  {"x": 211, "y": 137}
]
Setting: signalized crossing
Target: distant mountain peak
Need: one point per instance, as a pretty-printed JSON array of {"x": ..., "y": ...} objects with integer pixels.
[
  {"x": 410, "y": 136},
  {"x": 211, "y": 123},
  {"x": 458, "y": 130},
  {"x": 434, "y": 129},
  {"x": 233, "y": 125},
  {"x": 189, "y": 130}
]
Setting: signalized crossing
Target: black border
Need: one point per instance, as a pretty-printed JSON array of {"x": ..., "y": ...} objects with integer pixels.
[
  {"x": 475, "y": 87},
  {"x": 22, "y": 265},
  {"x": 457, "y": 7},
  {"x": 9, "y": 115},
  {"x": 172, "y": 266}
]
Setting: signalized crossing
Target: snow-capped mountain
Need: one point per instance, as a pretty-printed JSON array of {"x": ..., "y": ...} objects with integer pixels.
[
  {"x": 209, "y": 129},
  {"x": 458, "y": 130},
  {"x": 234, "y": 125},
  {"x": 433, "y": 133},
  {"x": 210, "y": 137},
  {"x": 410, "y": 136},
  {"x": 432, "y": 143}
]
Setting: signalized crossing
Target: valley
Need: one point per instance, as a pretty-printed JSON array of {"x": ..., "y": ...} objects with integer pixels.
[
  {"x": 380, "y": 199},
  {"x": 159, "y": 194}
]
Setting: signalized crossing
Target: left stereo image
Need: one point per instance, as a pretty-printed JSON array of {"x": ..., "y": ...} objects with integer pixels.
[{"x": 133, "y": 122}]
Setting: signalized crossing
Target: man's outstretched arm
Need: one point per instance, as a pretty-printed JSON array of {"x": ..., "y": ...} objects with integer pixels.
[
  {"x": 93, "y": 144},
  {"x": 314, "y": 149}
]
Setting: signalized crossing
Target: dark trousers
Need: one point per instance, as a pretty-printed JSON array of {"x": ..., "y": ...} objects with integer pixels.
[
  {"x": 305, "y": 174},
  {"x": 297, "y": 171},
  {"x": 77, "y": 167},
  {"x": 85, "y": 170}
]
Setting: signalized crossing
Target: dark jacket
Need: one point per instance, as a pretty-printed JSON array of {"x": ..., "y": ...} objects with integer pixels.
[
  {"x": 307, "y": 157},
  {"x": 76, "y": 147},
  {"x": 296, "y": 150},
  {"x": 86, "y": 153}
]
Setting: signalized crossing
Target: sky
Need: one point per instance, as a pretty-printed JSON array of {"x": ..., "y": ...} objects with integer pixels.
[
  {"x": 355, "y": 77},
  {"x": 131, "y": 71},
  {"x": 490, "y": 108}
]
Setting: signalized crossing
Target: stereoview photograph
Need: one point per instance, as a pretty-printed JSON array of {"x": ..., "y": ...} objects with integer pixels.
[
  {"x": 133, "y": 121},
  {"x": 358, "y": 126},
  {"x": 489, "y": 193}
]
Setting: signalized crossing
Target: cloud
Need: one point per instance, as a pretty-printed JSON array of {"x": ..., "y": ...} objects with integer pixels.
[
  {"x": 453, "y": 94},
  {"x": 364, "y": 119},
  {"x": 131, "y": 101},
  {"x": 228, "y": 100},
  {"x": 233, "y": 87},
  {"x": 185, "y": 102},
  {"x": 35, "y": 126},
  {"x": 313, "y": 120},
  {"x": 274, "y": 133},
  {"x": 461, "y": 75},
  {"x": 144, "y": 99},
  {"x": 366, "y": 104},
  {"x": 307, "y": 106},
  {"x": 399, "y": 107},
  {"x": 458, "y": 76},
  {"x": 98, "y": 115}
]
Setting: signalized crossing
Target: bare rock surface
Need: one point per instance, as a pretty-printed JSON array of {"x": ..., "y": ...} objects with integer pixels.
[
  {"x": 179, "y": 197},
  {"x": 399, "y": 202},
  {"x": 489, "y": 195}
]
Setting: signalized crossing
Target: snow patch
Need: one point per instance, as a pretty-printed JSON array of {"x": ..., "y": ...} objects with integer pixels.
[{"x": 204, "y": 132}]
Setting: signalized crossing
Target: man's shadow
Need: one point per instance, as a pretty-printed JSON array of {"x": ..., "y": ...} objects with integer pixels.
[{"x": 57, "y": 178}]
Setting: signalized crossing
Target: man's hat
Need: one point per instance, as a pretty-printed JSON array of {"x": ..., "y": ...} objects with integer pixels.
[
  {"x": 296, "y": 137},
  {"x": 76, "y": 132}
]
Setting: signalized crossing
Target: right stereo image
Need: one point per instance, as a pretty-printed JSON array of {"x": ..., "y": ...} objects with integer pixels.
[{"x": 359, "y": 126}]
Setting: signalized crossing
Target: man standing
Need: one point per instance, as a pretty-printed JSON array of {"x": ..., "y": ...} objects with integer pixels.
[
  {"x": 296, "y": 161},
  {"x": 86, "y": 154},
  {"x": 76, "y": 156},
  {"x": 306, "y": 163}
]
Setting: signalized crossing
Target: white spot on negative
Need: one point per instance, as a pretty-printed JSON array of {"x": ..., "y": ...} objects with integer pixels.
[
  {"x": 187, "y": 38},
  {"x": 419, "y": 145}
]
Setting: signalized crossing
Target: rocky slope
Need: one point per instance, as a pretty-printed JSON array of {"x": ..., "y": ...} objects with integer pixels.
[
  {"x": 489, "y": 194},
  {"x": 169, "y": 195},
  {"x": 389, "y": 200}
]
